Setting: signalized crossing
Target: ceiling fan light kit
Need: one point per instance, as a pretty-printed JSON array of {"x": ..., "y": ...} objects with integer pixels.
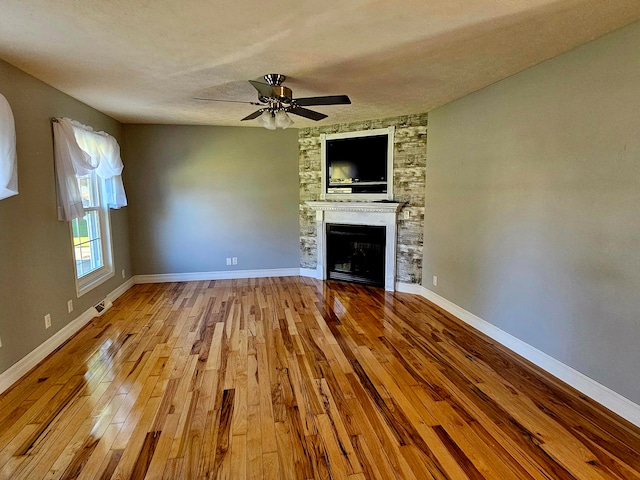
[
  {"x": 277, "y": 102},
  {"x": 267, "y": 120},
  {"x": 283, "y": 120}
]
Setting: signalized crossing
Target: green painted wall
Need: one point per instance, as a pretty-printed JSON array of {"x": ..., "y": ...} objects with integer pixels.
[
  {"x": 201, "y": 194},
  {"x": 36, "y": 264},
  {"x": 532, "y": 212}
]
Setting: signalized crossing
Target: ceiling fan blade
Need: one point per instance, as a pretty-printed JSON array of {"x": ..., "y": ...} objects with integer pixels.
[
  {"x": 326, "y": 100},
  {"x": 306, "y": 113},
  {"x": 226, "y": 101},
  {"x": 255, "y": 114},
  {"x": 263, "y": 89}
]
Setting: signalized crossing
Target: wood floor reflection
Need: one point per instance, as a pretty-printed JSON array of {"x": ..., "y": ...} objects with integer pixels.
[{"x": 291, "y": 378}]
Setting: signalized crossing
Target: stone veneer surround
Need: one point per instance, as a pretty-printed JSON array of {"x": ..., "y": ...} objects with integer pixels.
[{"x": 409, "y": 180}]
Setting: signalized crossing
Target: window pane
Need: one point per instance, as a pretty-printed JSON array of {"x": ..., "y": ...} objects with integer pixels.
[
  {"x": 93, "y": 224},
  {"x": 95, "y": 247},
  {"x": 80, "y": 234},
  {"x": 87, "y": 243},
  {"x": 88, "y": 191},
  {"x": 88, "y": 257},
  {"x": 80, "y": 264}
]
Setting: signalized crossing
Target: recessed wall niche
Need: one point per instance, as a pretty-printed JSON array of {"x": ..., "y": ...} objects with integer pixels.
[{"x": 357, "y": 166}]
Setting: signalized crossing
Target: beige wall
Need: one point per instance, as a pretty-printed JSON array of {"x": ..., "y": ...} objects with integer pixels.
[
  {"x": 36, "y": 264},
  {"x": 532, "y": 213},
  {"x": 201, "y": 194}
]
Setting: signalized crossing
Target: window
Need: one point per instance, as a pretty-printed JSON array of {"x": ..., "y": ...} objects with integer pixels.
[
  {"x": 88, "y": 183},
  {"x": 90, "y": 236},
  {"x": 8, "y": 165}
]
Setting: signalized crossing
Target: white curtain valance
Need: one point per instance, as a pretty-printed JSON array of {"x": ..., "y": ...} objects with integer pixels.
[
  {"x": 79, "y": 150},
  {"x": 8, "y": 158}
]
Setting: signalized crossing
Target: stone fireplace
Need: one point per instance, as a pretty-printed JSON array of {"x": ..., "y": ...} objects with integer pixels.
[
  {"x": 375, "y": 214},
  {"x": 409, "y": 180}
]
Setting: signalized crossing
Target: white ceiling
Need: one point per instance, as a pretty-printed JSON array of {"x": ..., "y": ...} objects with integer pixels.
[{"x": 143, "y": 61}]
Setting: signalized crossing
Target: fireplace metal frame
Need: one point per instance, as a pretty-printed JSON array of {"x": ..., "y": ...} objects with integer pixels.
[{"x": 364, "y": 266}]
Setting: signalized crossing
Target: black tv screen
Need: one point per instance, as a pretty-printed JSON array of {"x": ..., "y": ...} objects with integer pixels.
[{"x": 357, "y": 160}]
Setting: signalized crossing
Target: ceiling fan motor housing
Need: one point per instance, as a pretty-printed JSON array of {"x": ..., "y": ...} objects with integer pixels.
[
  {"x": 279, "y": 92},
  {"x": 284, "y": 94}
]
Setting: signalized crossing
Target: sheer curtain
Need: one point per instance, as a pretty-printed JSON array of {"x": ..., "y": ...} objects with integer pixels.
[
  {"x": 8, "y": 159},
  {"x": 78, "y": 151}
]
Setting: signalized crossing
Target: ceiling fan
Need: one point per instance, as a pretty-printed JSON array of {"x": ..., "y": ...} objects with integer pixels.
[{"x": 276, "y": 101}]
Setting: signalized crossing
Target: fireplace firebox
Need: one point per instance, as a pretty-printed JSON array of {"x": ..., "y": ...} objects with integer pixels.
[{"x": 356, "y": 253}]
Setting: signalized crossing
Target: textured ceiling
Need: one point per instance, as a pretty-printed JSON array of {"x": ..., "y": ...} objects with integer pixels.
[{"x": 143, "y": 61}]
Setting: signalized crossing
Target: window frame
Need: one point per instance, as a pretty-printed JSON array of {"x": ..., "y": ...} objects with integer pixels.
[{"x": 97, "y": 277}]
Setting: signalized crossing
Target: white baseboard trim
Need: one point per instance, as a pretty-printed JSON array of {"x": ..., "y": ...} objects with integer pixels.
[
  {"x": 121, "y": 289},
  {"x": 17, "y": 370},
  {"x": 310, "y": 272},
  {"x": 414, "y": 288},
  {"x": 26, "y": 363},
  {"x": 224, "y": 275},
  {"x": 598, "y": 392}
]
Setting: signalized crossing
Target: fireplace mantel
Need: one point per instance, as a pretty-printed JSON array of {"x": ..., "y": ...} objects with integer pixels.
[
  {"x": 358, "y": 213},
  {"x": 371, "y": 207}
]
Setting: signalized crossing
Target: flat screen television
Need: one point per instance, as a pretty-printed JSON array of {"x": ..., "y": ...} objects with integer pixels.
[{"x": 357, "y": 164}]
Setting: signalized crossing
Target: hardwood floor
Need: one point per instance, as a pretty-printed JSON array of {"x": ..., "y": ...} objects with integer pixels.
[{"x": 290, "y": 378}]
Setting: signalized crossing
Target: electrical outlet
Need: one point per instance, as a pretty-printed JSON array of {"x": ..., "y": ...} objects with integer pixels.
[
  {"x": 406, "y": 214},
  {"x": 235, "y": 260},
  {"x": 70, "y": 306},
  {"x": 123, "y": 273},
  {"x": 228, "y": 260},
  {"x": 47, "y": 320},
  {"x": 435, "y": 281}
]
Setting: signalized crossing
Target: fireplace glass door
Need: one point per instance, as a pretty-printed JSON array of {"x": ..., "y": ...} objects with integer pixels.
[{"x": 355, "y": 253}]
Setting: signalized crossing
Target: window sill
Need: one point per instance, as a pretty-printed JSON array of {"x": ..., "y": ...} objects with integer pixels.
[{"x": 98, "y": 278}]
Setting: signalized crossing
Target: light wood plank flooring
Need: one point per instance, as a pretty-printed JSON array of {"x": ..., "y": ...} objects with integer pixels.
[{"x": 291, "y": 378}]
